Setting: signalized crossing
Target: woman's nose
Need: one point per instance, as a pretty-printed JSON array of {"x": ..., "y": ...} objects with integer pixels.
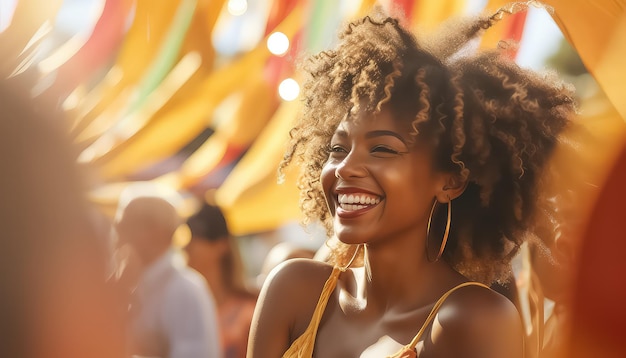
[{"x": 351, "y": 167}]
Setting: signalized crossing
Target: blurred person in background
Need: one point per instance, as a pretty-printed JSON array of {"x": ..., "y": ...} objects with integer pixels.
[
  {"x": 172, "y": 312},
  {"x": 282, "y": 252},
  {"x": 213, "y": 252},
  {"x": 55, "y": 301}
]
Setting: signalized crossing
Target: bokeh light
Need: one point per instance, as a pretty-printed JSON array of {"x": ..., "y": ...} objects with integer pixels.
[
  {"x": 278, "y": 43},
  {"x": 289, "y": 89},
  {"x": 237, "y": 7}
]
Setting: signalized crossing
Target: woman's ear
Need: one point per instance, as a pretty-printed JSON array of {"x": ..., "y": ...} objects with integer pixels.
[{"x": 454, "y": 185}]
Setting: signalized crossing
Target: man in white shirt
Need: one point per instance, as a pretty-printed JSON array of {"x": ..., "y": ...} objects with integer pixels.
[{"x": 172, "y": 314}]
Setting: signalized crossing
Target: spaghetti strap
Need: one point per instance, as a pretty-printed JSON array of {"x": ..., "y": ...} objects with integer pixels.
[
  {"x": 303, "y": 346},
  {"x": 409, "y": 349}
]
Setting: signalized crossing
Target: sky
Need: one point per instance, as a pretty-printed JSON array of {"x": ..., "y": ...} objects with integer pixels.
[{"x": 540, "y": 40}]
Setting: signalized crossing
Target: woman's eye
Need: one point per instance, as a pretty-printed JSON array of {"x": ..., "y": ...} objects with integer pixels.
[
  {"x": 383, "y": 149},
  {"x": 337, "y": 149}
]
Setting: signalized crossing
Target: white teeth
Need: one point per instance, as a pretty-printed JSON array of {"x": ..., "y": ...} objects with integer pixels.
[
  {"x": 358, "y": 200},
  {"x": 350, "y": 207}
]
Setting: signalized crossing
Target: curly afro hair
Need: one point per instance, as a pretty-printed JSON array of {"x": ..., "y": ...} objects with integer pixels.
[{"x": 490, "y": 122}]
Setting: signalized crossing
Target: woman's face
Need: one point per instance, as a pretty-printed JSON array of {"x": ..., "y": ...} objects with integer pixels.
[{"x": 377, "y": 185}]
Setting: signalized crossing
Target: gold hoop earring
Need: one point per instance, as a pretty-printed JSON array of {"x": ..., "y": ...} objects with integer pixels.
[{"x": 445, "y": 235}]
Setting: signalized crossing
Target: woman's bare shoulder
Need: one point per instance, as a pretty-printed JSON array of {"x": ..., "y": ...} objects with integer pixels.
[
  {"x": 297, "y": 274},
  {"x": 285, "y": 306},
  {"x": 293, "y": 287},
  {"x": 478, "y": 322}
]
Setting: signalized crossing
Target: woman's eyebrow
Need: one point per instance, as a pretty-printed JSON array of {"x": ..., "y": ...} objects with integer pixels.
[
  {"x": 340, "y": 133},
  {"x": 380, "y": 133}
]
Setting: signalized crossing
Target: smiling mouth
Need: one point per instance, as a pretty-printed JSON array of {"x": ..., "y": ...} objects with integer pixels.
[{"x": 354, "y": 202}]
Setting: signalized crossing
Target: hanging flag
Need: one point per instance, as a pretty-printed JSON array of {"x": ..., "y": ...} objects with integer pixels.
[
  {"x": 96, "y": 52},
  {"x": 597, "y": 30}
]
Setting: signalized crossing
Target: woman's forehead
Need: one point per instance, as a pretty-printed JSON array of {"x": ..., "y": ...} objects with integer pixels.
[{"x": 384, "y": 119}]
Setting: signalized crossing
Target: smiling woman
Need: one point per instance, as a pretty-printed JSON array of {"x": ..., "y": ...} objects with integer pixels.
[
  {"x": 424, "y": 164},
  {"x": 370, "y": 162}
]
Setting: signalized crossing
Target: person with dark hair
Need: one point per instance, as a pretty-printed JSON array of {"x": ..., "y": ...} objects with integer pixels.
[
  {"x": 213, "y": 252},
  {"x": 424, "y": 162}
]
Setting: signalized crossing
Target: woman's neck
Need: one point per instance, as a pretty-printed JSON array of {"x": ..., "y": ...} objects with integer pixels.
[{"x": 403, "y": 278}]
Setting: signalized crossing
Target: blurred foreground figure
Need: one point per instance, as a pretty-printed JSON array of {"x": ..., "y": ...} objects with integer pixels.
[
  {"x": 53, "y": 263},
  {"x": 213, "y": 252},
  {"x": 172, "y": 312},
  {"x": 598, "y": 314}
]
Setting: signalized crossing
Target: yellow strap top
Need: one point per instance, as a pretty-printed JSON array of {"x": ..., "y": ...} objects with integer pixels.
[{"x": 303, "y": 346}]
